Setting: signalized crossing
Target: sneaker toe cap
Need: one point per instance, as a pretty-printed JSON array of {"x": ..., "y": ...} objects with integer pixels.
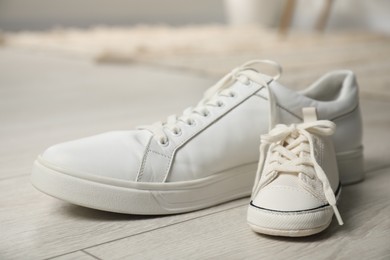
[
  {"x": 113, "y": 155},
  {"x": 286, "y": 198}
]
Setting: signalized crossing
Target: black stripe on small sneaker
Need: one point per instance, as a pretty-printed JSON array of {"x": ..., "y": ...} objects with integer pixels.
[{"x": 337, "y": 193}]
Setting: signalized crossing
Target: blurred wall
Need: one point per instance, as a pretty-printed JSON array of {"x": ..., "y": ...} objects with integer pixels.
[
  {"x": 44, "y": 14},
  {"x": 346, "y": 14}
]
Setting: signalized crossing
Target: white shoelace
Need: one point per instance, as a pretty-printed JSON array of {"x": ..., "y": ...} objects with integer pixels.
[
  {"x": 292, "y": 150},
  {"x": 245, "y": 73}
]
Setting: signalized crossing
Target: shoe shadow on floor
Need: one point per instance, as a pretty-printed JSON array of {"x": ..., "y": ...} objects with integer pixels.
[{"x": 79, "y": 212}]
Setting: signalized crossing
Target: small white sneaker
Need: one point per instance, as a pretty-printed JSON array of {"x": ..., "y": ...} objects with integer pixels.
[
  {"x": 297, "y": 182},
  {"x": 204, "y": 157}
]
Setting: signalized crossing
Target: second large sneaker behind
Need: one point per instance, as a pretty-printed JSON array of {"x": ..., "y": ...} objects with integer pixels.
[{"x": 207, "y": 155}]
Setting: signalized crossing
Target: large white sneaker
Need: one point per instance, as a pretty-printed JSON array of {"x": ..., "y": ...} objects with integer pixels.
[
  {"x": 297, "y": 182},
  {"x": 204, "y": 157}
]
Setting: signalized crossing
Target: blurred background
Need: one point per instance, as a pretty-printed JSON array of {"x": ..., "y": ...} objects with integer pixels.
[
  {"x": 46, "y": 14},
  {"x": 70, "y": 69},
  {"x": 208, "y": 36}
]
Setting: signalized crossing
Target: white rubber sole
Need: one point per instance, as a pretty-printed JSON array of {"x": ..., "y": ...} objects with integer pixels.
[
  {"x": 290, "y": 224},
  {"x": 143, "y": 198},
  {"x": 288, "y": 233}
]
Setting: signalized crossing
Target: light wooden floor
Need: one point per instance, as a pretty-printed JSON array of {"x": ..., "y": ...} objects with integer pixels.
[{"x": 46, "y": 99}]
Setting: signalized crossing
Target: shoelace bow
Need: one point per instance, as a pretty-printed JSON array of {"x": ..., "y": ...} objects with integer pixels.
[
  {"x": 211, "y": 98},
  {"x": 291, "y": 143}
]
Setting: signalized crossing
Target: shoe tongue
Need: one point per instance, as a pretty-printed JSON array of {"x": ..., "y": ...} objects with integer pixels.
[{"x": 309, "y": 114}]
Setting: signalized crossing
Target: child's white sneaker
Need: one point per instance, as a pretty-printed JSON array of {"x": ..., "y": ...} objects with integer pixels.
[{"x": 297, "y": 183}]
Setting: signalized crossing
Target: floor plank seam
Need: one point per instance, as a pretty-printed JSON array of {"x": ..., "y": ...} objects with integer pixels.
[
  {"x": 88, "y": 253},
  {"x": 170, "y": 225},
  {"x": 146, "y": 231},
  {"x": 71, "y": 252},
  {"x": 67, "y": 253}
]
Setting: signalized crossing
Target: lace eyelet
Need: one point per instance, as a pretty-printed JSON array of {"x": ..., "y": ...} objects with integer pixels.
[
  {"x": 177, "y": 132},
  {"x": 233, "y": 94},
  {"x": 245, "y": 80},
  {"x": 206, "y": 113},
  {"x": 220, "y": 104},
  {"x": 163, "y": 142},
  {"x": 191, "y": 122}
]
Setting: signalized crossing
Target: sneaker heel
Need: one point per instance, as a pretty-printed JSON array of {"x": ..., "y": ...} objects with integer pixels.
[{"x": 351, "y": 166}]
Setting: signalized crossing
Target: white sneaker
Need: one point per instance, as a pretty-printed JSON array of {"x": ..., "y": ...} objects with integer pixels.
[
  {"x": 297, "y": 181},
  {"x": 202, "y": 158}
]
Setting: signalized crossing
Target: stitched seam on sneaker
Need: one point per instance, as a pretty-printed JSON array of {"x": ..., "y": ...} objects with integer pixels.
[
  {"x": 145, "y": 156},
  {"x": 280, "y": 106},
  {"x": 346, "y": 114},
  {"x": 298, "y": 212},
  {"x": 152, "y": 151}
]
